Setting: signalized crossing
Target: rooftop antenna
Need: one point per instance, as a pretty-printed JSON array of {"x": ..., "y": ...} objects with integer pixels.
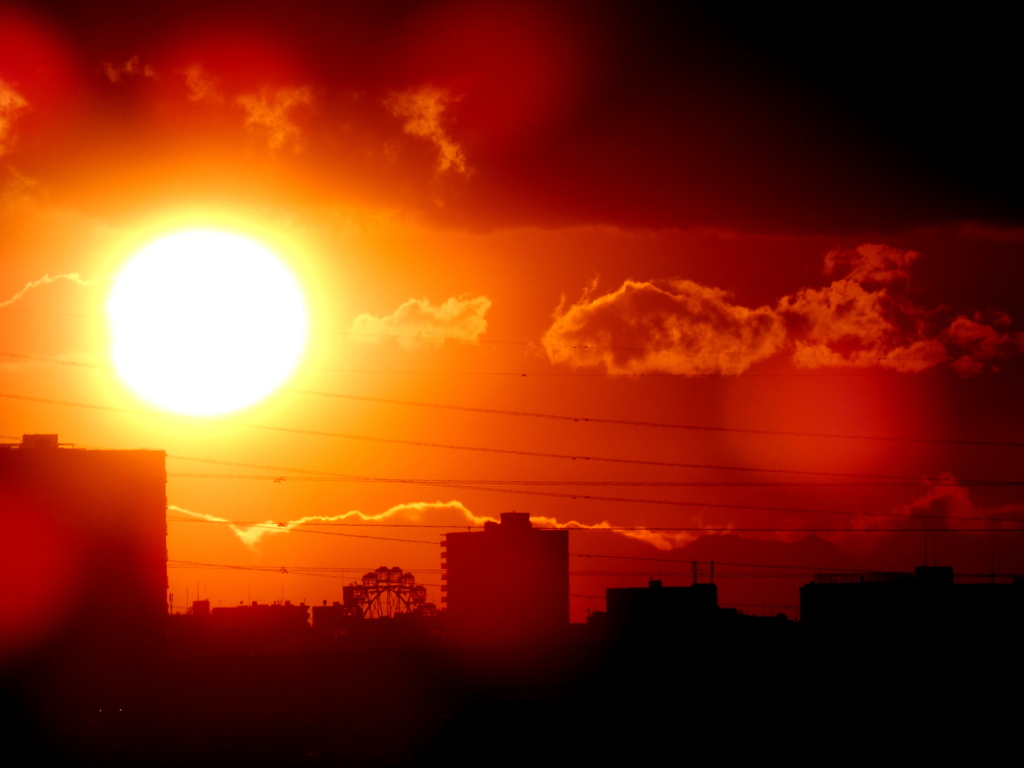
[
  {"x": 926, "y": 540},
  {"x": 992, "y": 557}
]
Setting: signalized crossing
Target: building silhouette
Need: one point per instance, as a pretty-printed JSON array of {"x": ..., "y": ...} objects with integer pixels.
[
  {"x": 507, "y": 583},
  {"x": 660, "y": 610},
  {"x": 241, "y": 630},
  {"x": 335, "y": 622},
  {"x": 929, "y": 600},
  {"x": 260, "y": 628},
  {"x": 100, "y": 516}
]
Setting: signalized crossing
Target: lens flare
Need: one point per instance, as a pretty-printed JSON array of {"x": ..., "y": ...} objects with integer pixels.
[{"x": 206, "y": 322}]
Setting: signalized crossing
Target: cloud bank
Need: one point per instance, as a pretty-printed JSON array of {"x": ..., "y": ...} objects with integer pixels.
[
  {"x": 418, "y": 323},
  {"x": 863, "y": 318}
]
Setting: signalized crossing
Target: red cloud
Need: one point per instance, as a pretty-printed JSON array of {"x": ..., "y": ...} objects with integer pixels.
[
  {"x": 861, "y": 319},
  {"x": 846, "y": 324},
  {"x": 675, "y": 326},
  {"x": 980, "y": 343},
  {"x": 871, "y": 263}
]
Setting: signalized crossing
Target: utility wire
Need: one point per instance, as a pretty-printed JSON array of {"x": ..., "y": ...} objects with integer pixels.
[
  {"x": 326, "y": 572},
  {"x": 812, "y": 373},
  {"x": 916, "y": 481},
  {"x": 714, "y": 467},
  {"x": 939, "y": 482},
  {"x": 56, "y": 361},
  {"x": 282, "y": 527},
  {"x": 663, "y": 425},
  {"x": 385, "y": 440},
  {"x": 729, "y": 563},
  {"x": 629, "y": 500},
  {"x": 689, "y": 529},
  {"x": 556, "y": 417}
]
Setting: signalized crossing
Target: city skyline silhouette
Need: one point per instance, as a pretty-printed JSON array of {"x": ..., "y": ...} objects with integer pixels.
[{"x": 384, "y": 382}]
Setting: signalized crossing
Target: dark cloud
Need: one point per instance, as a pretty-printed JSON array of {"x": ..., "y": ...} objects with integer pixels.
[
  {"x": 978, "y": 343},
  {"x": 636, "y": 115}
]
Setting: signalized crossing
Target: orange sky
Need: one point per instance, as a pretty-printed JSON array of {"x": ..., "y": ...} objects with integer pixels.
[{"x": 519, "y": 208}]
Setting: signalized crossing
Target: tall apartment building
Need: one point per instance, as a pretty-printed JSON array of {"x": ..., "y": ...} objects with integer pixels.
[
  {"x": 507, "y": 583},
  {"x": 86, "y": 561}
]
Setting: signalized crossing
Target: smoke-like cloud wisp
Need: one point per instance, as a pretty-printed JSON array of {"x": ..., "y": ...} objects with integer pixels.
[
  {"x": 423, "y": 110},
  {"x": 269, "y": 114},
  {"x": 12, "y": 104},
  {"x": 251, "y": 534},
  {"x": 203, "y": 87},
  {"x": 132, "y": 68},
  {"x": 73, "y": 277},
  {"x": 445, "y": 513}
]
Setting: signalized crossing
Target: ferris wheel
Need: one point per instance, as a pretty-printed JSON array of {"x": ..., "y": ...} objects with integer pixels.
[{"x": 386, "y": 592}]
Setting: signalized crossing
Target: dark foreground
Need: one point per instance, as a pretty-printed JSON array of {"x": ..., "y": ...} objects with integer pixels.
[{"x": 779, "y": 695}]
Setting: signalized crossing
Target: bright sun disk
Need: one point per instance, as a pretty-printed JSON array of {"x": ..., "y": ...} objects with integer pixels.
[{"x": 206, "y": 322}]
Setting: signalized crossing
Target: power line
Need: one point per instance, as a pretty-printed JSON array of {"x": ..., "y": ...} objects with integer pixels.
[
  {"x": 688, "y": 529},
  {"x": 325, "y": 477},
  {"x": 57, "y": 361},
  {"x": 683, "y": 575},
  {"x": 279, "y": 526},
  {"x": 915, "y": 480},
  {"x": 722, "y": 562},
  {"x": 526, "y": 414},
  {"x": 299, "y": 571},
  {"x": 283, "y": 527},
  {"x": 458, "y": 486},
  {"x": 714, "y": 467},
  {"x": 327, "y": 572},
  {"x": 623, "y": 499},
  {"x": 49, "y": 312},
  {"x": 420, "y": 336},
  {"x": 661, "y": 425},
  {"x": 391, "y": 441},
  {"x": 811, "y": 373},
  {"x": 845, "y": 373}
]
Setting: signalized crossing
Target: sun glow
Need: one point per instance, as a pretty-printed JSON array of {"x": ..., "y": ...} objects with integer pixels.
[{"x": 205, "y": 322}]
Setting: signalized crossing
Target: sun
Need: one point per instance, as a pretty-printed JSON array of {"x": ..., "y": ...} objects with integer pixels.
[{"x": 205, "y": 322}]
